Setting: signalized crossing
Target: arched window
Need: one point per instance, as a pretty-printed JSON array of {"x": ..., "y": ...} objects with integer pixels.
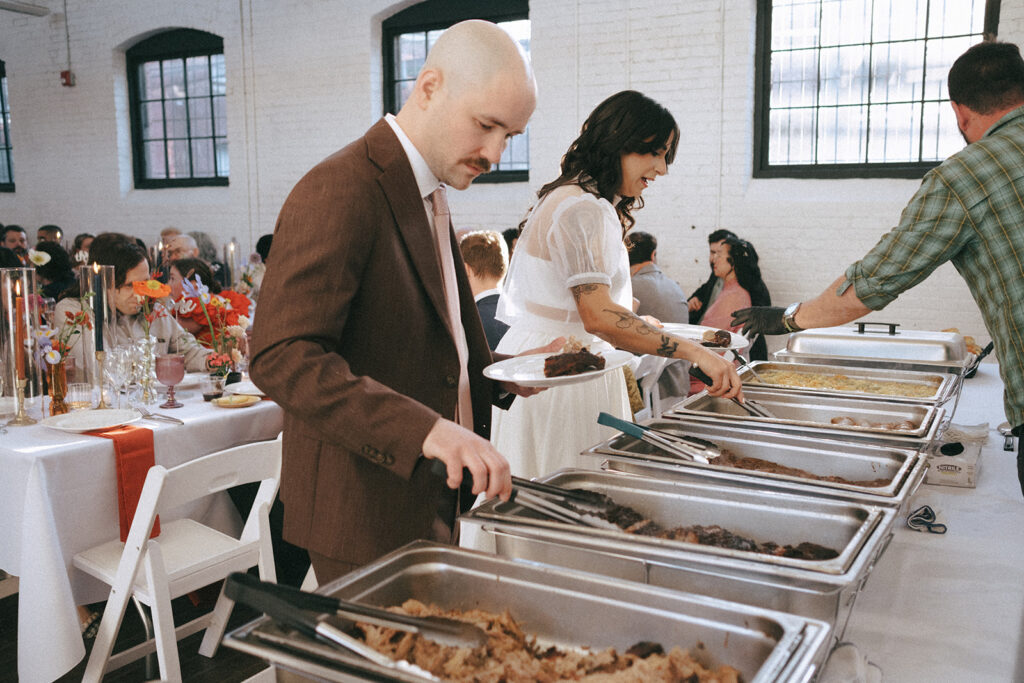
[
  {"x": 409, "y": 35},
  {"x": 6, "y": 166},
  {"x": 177, "y": 94}
]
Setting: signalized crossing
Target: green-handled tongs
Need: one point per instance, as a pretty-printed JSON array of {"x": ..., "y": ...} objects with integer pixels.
[{"x": 687, "y": 447}]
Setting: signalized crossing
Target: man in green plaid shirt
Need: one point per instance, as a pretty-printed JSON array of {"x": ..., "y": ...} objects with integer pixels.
[{"x": 969, "y": 211}]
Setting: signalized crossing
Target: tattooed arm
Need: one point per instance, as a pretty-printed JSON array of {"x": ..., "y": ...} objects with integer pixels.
[{"x": 623, "y": 329}]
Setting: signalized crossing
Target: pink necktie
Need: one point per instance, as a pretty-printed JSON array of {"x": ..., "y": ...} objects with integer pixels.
[{"x": 442, "y": 231}]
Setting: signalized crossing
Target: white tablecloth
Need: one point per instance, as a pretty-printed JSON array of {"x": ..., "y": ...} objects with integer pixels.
[
  {"x": 58, "y": 497},
  {"x": 951, "y": 607}
]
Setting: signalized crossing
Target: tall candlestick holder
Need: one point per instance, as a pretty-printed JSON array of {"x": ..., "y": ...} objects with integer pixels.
[
  {"x": 102, "y": 405},
  {"x": 20, "y": 315},
  {"x": 95, "y": 285},
  {"x": 21, "y": 418}
]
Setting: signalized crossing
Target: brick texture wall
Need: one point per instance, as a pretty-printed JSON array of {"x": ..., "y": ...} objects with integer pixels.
[{"x": 304, "y": 78}]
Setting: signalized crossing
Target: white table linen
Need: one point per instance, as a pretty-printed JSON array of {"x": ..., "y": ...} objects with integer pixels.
[{"x": 58, "y": 496}]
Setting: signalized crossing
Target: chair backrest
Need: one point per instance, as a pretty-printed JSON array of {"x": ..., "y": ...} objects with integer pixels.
[{"x": 219, "y": 471}]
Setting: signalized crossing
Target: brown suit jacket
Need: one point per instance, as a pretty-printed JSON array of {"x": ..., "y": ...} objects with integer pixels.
[{"x": 352, "y": 339}]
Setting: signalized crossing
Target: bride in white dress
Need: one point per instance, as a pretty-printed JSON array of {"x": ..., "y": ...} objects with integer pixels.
[{"x": 569, "y": 276}]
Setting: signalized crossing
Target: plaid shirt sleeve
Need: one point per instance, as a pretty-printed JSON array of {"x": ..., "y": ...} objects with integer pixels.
[{"x": 932, "y": 229}]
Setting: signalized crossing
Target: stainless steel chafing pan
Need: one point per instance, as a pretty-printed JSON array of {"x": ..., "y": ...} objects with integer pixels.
[
  {"x": 813, "y": 414},
  {"x": 822, "y": 589},
  {"x": 904, "y": 469},
  {"x": 930, "y": 387},
  {"x": 562, "y": 608}
]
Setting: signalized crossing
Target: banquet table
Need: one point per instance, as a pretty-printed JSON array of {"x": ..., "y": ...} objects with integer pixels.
[
  {"x": 58, "y": 497},
  {"x": 951, "y": 607}
]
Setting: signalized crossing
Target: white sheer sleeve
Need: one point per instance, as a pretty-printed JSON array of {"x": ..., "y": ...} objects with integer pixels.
[{"x": 584, "y": 242}]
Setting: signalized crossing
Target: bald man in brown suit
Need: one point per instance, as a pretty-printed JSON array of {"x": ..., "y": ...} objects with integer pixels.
[{"x": 353, "y": 336}]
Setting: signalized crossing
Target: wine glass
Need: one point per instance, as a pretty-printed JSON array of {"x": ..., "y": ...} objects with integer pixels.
[
  {"x": 170, "y": 369},
  {"x": 117, "y": 366}
]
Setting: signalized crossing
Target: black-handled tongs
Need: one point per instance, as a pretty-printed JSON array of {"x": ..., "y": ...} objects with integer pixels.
[
  {"x": 319, "y": 615},
  {"x": 753, "y": 408},
  {"x": 681, "y": 446},
  {"x": 973, "y": 370}
]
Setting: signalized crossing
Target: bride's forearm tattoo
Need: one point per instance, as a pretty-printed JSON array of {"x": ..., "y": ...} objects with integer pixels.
[
  {"x": 668, "y": 346},
  {"x": 579, "y": 290},
  {"x": 627, "y": 320}
]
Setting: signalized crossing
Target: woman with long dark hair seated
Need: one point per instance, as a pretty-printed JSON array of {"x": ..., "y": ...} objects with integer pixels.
[
  {"x": 130, "y": 266},
  {"x": 569, "y": 276},
  {"x": 742, "y": 286}
]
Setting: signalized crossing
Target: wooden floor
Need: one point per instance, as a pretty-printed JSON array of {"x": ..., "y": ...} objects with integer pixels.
[{"x": 229, "y": 666}]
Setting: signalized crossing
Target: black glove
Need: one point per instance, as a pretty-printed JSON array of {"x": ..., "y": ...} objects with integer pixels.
[{"x": 760, "y": 320}]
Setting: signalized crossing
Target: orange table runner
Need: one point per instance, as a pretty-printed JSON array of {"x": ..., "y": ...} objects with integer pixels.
[{"x": 133, "y": 447}]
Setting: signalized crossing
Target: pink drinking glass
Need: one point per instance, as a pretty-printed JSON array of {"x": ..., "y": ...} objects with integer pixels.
[{"x": 170, "y": 369}]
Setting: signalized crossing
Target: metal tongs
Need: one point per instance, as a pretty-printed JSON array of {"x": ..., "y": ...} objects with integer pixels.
[
  {"x": 744, "y": 363},
  {"x": 562, "y": 504},
  {"x": 320, "y": 616},
  {"x": 752, "y": 407},
  {"x": 686, "y": 447}
]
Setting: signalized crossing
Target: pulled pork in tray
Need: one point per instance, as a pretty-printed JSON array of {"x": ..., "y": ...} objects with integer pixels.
[
  {"x": 632, "y": 522},
  {"x": 730, "y": 459},
  {"x": 510, "y": 655}
]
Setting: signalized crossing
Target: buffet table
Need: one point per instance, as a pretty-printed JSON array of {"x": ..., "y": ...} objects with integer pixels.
[
  {"x": 58, "y": 497},
  {"x": 951, "y": 607}
]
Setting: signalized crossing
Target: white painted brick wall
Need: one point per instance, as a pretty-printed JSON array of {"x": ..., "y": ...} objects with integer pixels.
[{"x": 304, "y": 79}]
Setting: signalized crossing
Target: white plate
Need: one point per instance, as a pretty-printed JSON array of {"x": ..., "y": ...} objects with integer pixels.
[
  {"x": 694, "y": 333},
  {"x": 528, "y": 371},
  {"x": 88, "y": 420},
  {"x": 247, "y": 388},
  {"x": 190, "y": 381}
]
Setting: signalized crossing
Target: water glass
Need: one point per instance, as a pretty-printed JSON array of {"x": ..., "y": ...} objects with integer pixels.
[{"x": 80, "y": 396}]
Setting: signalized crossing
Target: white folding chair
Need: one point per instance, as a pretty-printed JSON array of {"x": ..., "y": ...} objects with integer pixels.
[{"x": 185, "y": 556}]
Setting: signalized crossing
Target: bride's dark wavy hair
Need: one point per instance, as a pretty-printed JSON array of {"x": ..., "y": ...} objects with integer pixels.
[{"x": 627, "y": 122}]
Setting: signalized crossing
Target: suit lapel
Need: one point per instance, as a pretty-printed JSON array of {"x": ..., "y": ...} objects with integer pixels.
[{"x": 399, "y": 186}]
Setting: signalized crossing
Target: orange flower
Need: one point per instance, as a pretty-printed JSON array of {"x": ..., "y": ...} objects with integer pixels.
[{"x": 154, "y": 289}]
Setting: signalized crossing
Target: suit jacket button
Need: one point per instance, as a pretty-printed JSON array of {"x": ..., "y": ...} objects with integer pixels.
[{"x": 451, "y": 381}]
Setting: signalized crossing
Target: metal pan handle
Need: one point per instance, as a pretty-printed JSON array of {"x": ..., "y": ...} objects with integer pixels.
[{"x": 892, "y": 327}]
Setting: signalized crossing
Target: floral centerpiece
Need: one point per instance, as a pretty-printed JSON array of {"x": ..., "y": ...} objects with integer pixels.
[
  {"x": 54, "y": 345},
  {"x": 148, "y": 291},
  {"x": 225, "y": 319}
]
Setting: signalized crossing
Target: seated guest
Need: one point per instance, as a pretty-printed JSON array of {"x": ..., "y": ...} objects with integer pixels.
[
  {"x": 700, "y": 300},
  {"x": 659, "y": 295},
  {"x": 484, "y": 254},
  {"x": 80, "y": 248},
  {"x": 191, "y": 315},
  {"x": 49, "y": 233},
  {"x": 511, "y": 236},
  {"x": 208, "y": 252},
  {"x": 736, "y": 265},
  {"x": 8, "y": 259},
  {"x": 57, "y": 274},
  {"x": 263, "y": 246},
  {"x": 129, "y": 324},
  {"x": 14, "y": 238}
]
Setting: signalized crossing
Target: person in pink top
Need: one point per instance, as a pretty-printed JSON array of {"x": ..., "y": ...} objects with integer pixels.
[{"x": 742, "y": 286}]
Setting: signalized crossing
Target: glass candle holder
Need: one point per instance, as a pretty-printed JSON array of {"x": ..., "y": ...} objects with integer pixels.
[
  {"x": 22, "y": 316},
  {"x": 96, "y": 287}
]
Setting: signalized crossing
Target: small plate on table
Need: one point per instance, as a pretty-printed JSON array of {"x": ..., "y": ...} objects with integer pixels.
[
  {"x": 236, "y": 401},
  {"x": 91, "y": 420},
  {"x": 245, "y": 388},
  {"x": 528, "y": 371},
  {"x": 695, "y": 334}
]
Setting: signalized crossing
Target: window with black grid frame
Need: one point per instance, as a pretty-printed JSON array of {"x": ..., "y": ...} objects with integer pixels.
[
  {"x": 6, "y": 162},
  {"x": 178, "y": 93},
  {"x": 857, "y": 88},
  {"x": 407, "y": 37}
]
